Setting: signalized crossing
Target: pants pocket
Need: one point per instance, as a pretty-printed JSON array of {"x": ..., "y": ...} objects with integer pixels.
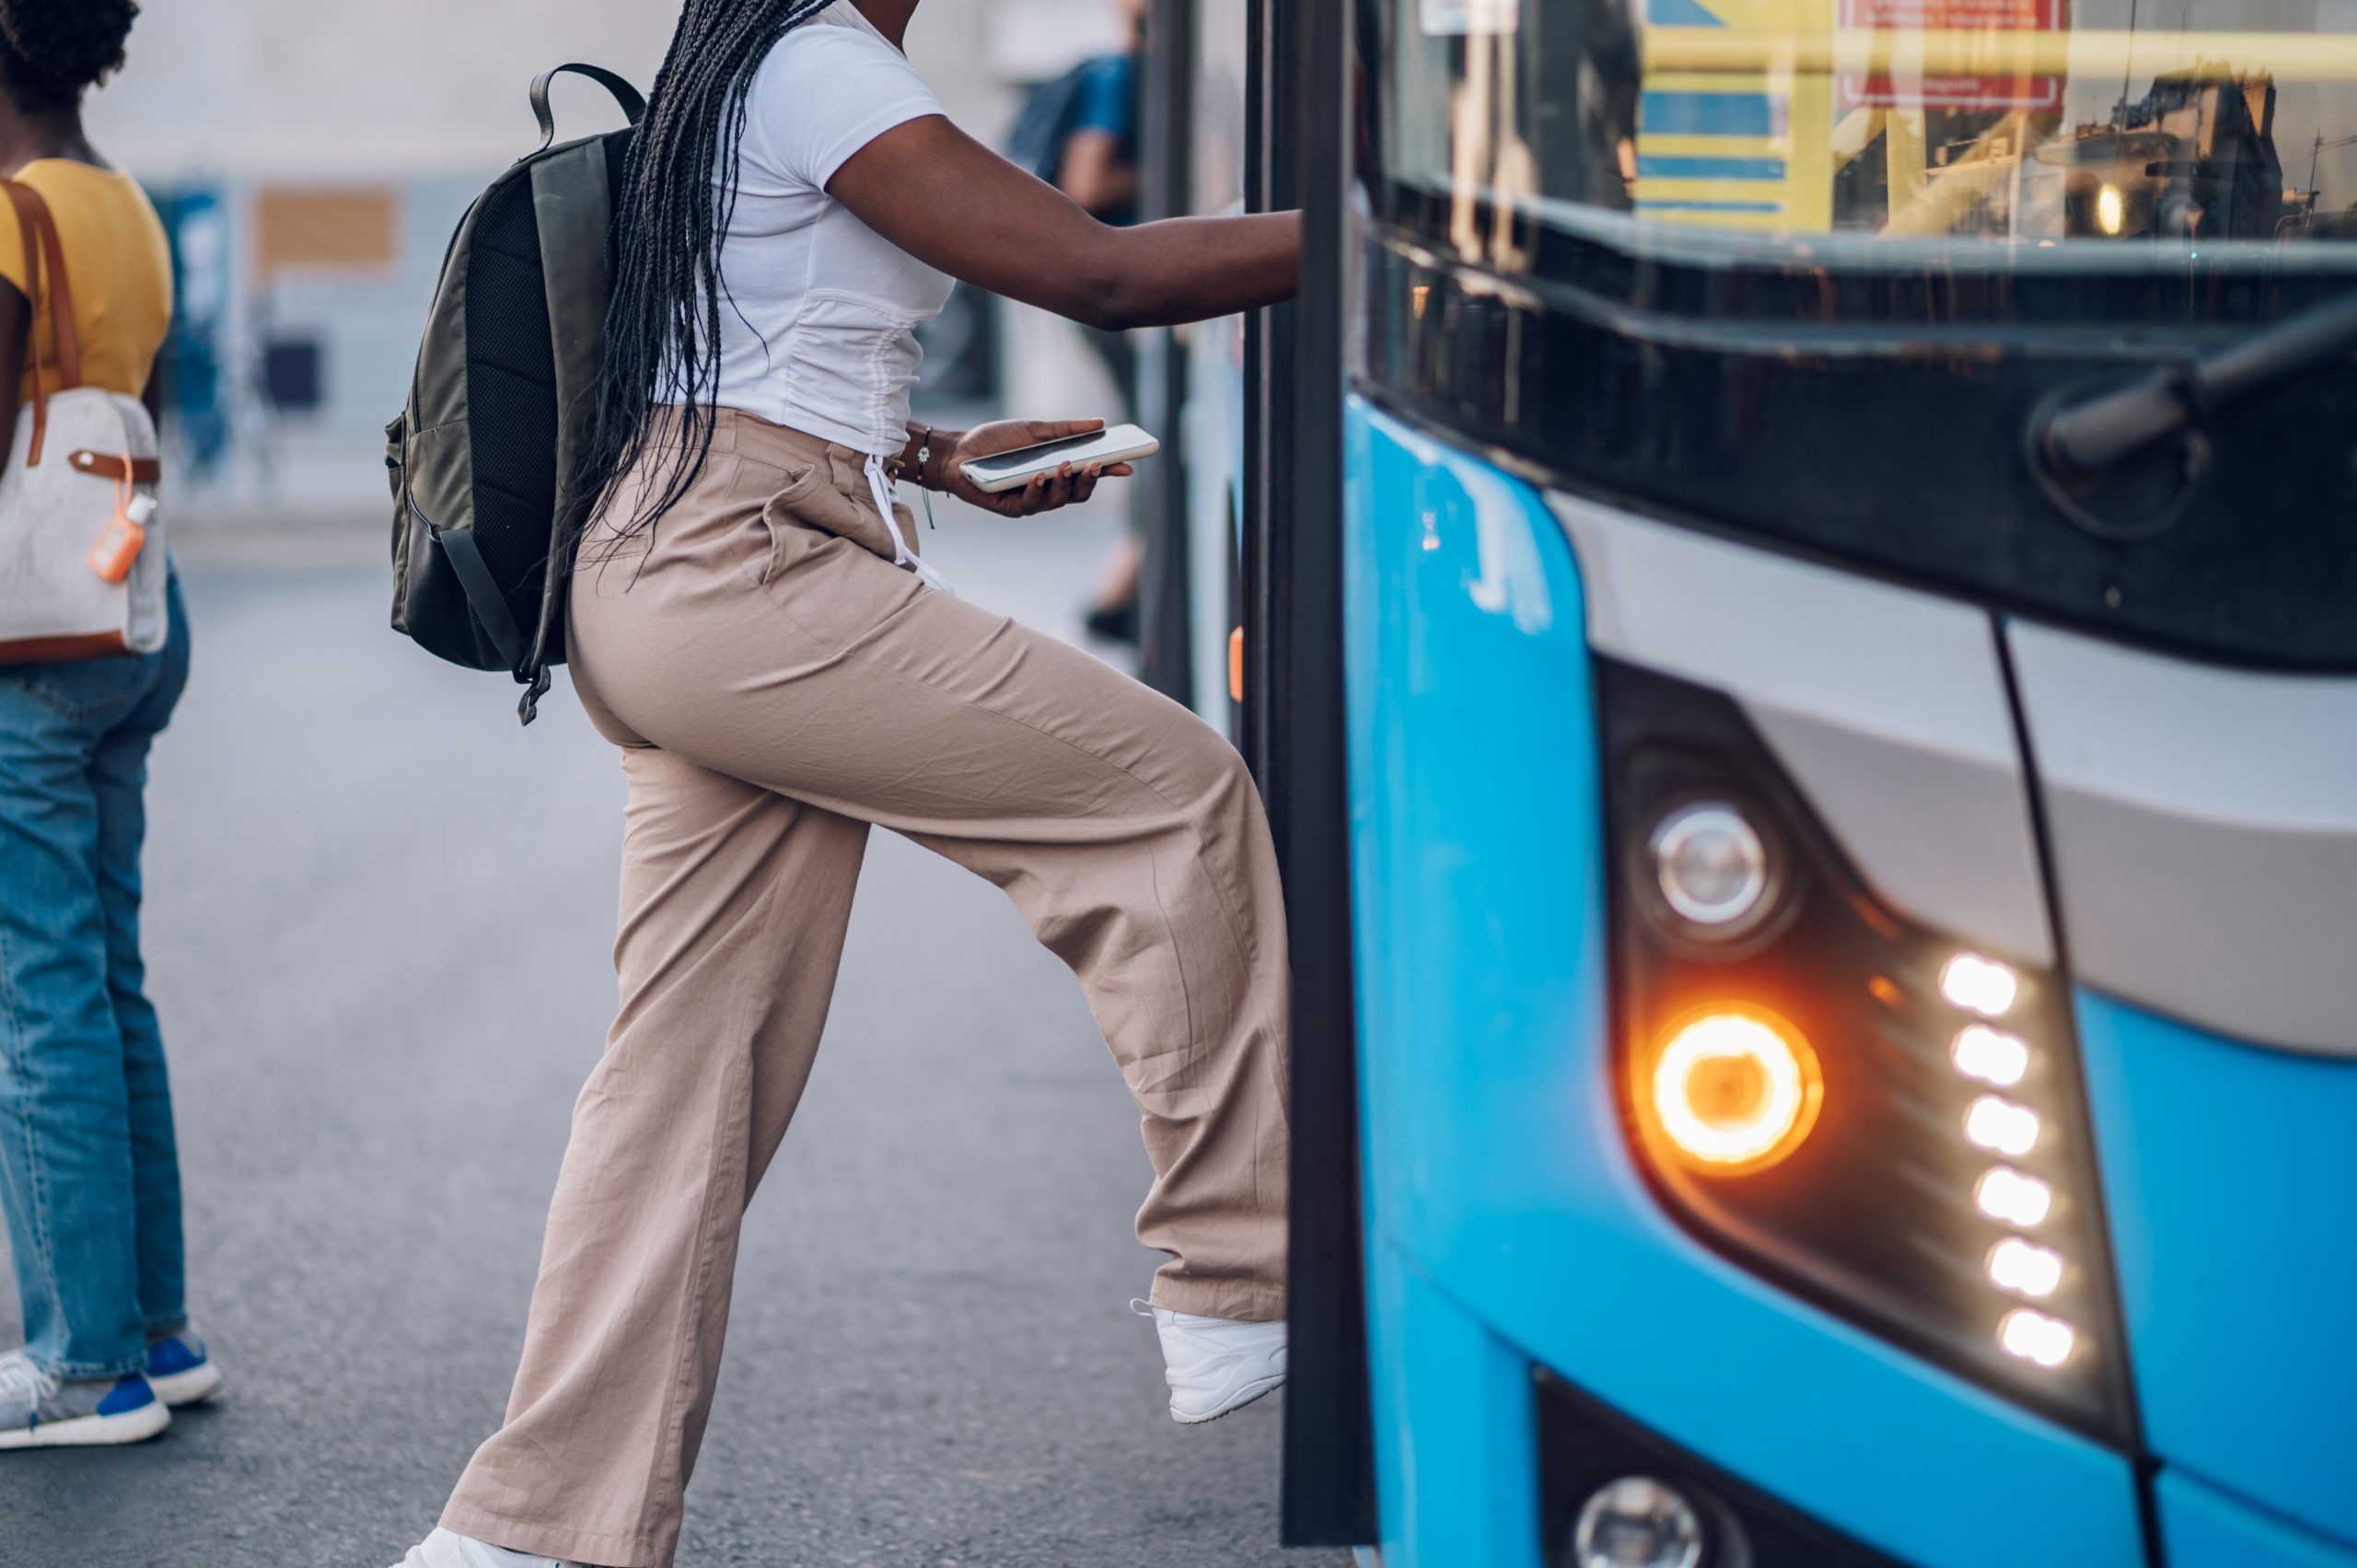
[
  {"x": 809, "y": 497},
  {"x": 85, "y": 690}
]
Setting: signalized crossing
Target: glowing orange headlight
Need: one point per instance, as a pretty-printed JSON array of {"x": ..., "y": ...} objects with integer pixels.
[{"x": 1731, "y": 1091}]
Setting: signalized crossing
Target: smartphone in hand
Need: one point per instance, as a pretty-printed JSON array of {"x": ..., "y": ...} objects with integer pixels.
[{"x": 1012, "y": 471}]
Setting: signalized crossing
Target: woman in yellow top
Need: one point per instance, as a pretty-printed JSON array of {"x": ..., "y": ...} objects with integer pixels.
[{"x": 88, "y": 1171}]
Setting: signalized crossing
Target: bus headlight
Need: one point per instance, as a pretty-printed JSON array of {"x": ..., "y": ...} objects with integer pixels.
[
  {"x": 1872, "y": 1114},
  {"x": 1637, "y": 1522},
  {"x": 1711, "y": 870}
]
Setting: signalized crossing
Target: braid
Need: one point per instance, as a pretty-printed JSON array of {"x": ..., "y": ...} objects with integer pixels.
[{"x": 678, "y": 194}]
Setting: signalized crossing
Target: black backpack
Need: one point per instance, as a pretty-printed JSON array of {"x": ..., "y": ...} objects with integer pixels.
[{"x": 484, "y": 457}]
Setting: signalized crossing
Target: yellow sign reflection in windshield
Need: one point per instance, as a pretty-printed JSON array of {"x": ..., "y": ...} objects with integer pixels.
[
  {"x": 1736, "y": 142},
  {"x": 1988, "y": 118}
]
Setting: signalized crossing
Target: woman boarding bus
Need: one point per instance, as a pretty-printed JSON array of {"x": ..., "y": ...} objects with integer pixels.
[{"x": 751, "y": 625}]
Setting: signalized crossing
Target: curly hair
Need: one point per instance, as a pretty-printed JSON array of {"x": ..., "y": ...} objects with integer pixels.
[{"x": 52, "y": 51}]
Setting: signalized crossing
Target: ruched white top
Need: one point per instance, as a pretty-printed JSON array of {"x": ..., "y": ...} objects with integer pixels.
[{"x": 818, "y": 330}]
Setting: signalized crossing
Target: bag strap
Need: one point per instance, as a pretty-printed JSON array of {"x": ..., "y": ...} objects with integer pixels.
[
  {"x": 121, "y": 469},
  {"x": 42, "y": 245},
  {"x": 633, "y": 104}
]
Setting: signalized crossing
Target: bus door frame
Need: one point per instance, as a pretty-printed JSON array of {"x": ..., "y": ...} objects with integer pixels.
[
  {"x": 1165, "y": 643},
  {"x": 1298, "y": 118}
]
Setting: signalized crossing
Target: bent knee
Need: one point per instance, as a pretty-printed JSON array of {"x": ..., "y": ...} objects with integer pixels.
[{"x": 1208, "y": 775}]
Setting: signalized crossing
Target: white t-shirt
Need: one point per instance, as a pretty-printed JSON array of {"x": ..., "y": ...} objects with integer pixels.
[{"x": 818, "y": 330}]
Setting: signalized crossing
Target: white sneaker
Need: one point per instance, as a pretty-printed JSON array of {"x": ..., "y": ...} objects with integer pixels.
[
  {"x": 1215, "y": 1364},
  {"x": 449, "y": 1549}
]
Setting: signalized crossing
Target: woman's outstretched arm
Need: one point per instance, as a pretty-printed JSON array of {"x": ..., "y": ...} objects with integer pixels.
[{"x": 952, "y": 202}]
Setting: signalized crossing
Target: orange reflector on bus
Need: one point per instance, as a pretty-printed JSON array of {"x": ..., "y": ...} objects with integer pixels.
[
  {"x": 1235, "y": 664},
  {"x": 1733, "y": 1091}
]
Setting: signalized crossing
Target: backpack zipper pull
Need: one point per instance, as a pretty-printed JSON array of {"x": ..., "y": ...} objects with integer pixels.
[{"x": 529, "y": 708}]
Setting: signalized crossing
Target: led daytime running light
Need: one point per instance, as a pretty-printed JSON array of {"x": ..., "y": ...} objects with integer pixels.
[
  {"x": 1979, "y": 985},
  {"x": 1990, "y": 1055},
  {"x": 2036, "y": 1338},
  {"x": 2025, "y": 1268},
  {"x": 2010, "y": 1197},
  {"x": 2001, "y": 1126}
]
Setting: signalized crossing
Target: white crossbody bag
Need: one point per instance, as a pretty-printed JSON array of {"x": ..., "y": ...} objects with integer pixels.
[{"x": 82, "y": 563}]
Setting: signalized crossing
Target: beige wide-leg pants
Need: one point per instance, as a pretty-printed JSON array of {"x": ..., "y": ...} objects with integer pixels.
[{"x": 777, "y": 686}]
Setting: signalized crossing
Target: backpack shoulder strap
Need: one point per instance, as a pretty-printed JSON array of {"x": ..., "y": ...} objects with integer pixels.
[
  {"x": 633, "y": 104},
  {"x": 41, "y": 246}
]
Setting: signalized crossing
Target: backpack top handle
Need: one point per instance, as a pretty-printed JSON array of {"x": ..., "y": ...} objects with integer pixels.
[
  {"x": 39, "y": 231},
  {"x": 633, "y": 104}
]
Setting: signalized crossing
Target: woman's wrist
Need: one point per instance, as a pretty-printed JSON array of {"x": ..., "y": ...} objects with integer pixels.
[
  {"x": 910, "y": 464},
  {"x": 925, "y": 457},
  {"x": 933, "y": 472}
]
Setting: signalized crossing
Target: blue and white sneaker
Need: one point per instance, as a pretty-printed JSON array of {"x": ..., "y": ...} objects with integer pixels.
[
  {"x": 179, "y": 1370},
  {"x": 41, "y": 1411}
]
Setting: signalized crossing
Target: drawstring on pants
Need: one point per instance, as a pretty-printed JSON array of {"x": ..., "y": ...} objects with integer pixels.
[{"x": 879, "y": 484}]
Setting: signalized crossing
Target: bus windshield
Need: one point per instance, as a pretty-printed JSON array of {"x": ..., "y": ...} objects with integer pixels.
[
  {"x": 2042, "y": 302},
  {"x": 2014, "y": 133}
]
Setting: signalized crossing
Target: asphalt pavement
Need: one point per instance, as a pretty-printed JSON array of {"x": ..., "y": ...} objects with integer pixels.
[{"x": 380, "y": 921}]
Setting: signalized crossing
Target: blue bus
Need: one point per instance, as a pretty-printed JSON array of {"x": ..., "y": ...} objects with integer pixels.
[{"x": 1796, "y": 571}]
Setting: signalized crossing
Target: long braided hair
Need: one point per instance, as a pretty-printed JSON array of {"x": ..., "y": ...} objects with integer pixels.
[{"x": 679, "y": 193}]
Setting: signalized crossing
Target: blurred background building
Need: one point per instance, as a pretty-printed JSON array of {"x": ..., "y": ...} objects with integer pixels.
[{"x": 312, "y": 162}]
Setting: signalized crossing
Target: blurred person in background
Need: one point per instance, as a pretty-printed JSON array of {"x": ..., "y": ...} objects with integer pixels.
[
  {"x": 88, "y": 1167},
  {"x": 751, "y": 625},
  {"x": 1098, "y": 166},
  {"x": 1079, "y": 133}
]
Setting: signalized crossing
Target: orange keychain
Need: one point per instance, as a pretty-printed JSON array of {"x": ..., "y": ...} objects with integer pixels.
[{"x": 120, "y": 543}]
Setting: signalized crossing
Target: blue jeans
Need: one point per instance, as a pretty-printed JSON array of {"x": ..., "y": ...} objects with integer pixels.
[{"x": 88, "y": 1166}]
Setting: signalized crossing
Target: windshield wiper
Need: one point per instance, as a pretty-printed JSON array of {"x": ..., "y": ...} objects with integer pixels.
[{"x": 2072, "y": 440}]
